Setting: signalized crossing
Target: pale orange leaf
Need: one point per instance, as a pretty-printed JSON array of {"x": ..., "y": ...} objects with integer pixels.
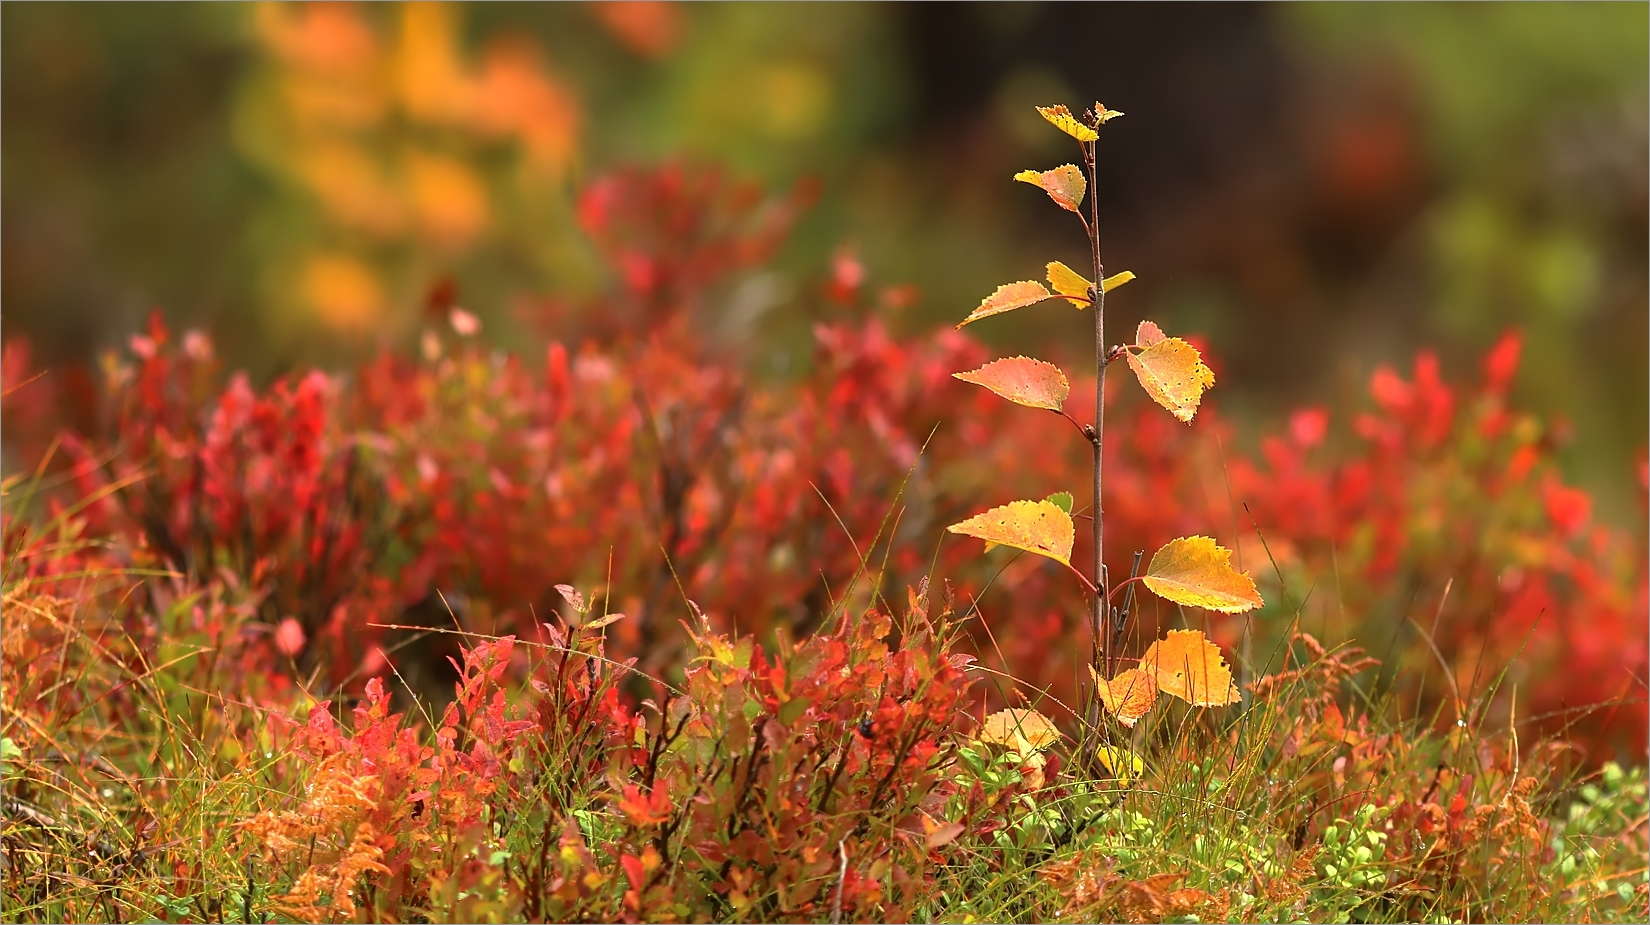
[
  {"x": 1023, "y": 380},
  {"x": 1148, "y": 333},
  {"x": 1008, "y": 297},
  {"x": 1034, "y": 526},
  {"x": 1128, "y": 696},
  {"x": 1065, "y": 184},
  {"x": 1172, "y": 373},
  {"x": 1187, "y": 665},
  {"x": 1197, "y": 572},
  {"x": 1013, "y": 726}
]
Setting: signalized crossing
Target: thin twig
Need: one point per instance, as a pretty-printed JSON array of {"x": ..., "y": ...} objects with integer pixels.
[{"x": 841, "y": 880}]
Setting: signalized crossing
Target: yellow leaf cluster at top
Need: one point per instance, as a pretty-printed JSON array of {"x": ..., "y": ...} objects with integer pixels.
[{"x": 1061, "y": 118}]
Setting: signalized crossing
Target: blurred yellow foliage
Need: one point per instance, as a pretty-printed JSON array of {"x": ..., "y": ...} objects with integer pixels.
[{"x": 381, "y": 117}]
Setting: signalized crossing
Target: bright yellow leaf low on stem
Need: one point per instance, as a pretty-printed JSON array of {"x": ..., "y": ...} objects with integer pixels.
[
  {"x": 1195, "y": 571},
  {"x": 1034, "y": 526},
  {"x": 1185, "y": 664}
]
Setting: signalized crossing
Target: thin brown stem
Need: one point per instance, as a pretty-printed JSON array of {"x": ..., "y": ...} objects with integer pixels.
[{"x": 1102, "y": 612}]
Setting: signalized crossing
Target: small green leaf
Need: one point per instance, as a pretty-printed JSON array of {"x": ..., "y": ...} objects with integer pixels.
[
  {"x": 792, "y": 709},
  {"x": 1061, "y": 500}
]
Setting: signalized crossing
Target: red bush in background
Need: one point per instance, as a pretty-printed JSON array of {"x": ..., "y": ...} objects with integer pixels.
[{"x": 643, "y": 463}]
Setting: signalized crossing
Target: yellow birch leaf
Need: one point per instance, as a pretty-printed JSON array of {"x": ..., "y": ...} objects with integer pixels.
[
  {"x": 1172, "y": 373},
  {"x": 1128, "y": 696},
  {"x": 1116, "y": 279},
  {"x": 1034, "y": 526},
  {"x": 1013, "y": 727},
  {"x": 1008, "y": 297},
  {"x": 1187, "y": 665},
  {"x": 1065, "y": 184},
  {"x": 1197, "y": 572},
  {"x": 1023, "y": 381},
  {"x": 1122, "y": 763},
  {"x": 1069, "y": 283},
  {"x": 1061, "y": 118}
]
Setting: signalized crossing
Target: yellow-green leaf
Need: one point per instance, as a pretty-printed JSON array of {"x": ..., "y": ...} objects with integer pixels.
[
  {"x": 1069, "y": 283},
  {"x": 1116, "y": 279},
  {"x": 1061, "y": 118},
  {"x": 1009, "y": 297},
  {"x": 1034, "y": 526},
  {"x": 1061, "y": 500},
  {"x": 1197, "y": 572},
  {"x": 1187, "y": 665},
  {"x": 1065, "y": 184},
  {"x": 1172, "y": 373},
  {"x": 1023, "y": 380},
  {"x": 1122, "y": 763},
  {"x": 1105, "y": 115}
]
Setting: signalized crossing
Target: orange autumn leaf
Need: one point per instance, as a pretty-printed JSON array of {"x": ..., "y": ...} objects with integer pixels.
[
  {"x": 1128, "y": 696},
  {"x": 1172, "y": 373},
  {"x": 1061, "y": 118},
  {"x": 1187, "y": 665},
  {"x": 1065, "y": 184},
  {"x": 1069, "y": 283},
  {"x": 1148, "y": 333},
  {"x": 1034, "y": 526},
  {"x": 1023, "y": 381},
  {"x": 1014, "y": 726},
  {"x": 1197, "y": 572},
  {"x": 1008, "y": 297},
  {"x": 644, "y": 809}
]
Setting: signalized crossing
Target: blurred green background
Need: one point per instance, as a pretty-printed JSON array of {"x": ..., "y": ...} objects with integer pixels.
[{"x": 1314, "y": 189}]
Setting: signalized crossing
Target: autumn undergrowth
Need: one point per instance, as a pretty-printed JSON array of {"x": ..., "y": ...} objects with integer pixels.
[{"x": 837, "y": 777}]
